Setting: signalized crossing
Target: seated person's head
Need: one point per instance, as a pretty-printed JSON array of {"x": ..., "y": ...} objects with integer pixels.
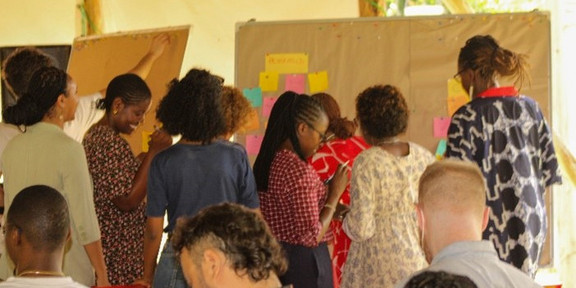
[
  {"x": 451, "y": 204},
  {"x": 37, "y": 223},
  {"x": 439, "y": 279},
  {"x": 20, "y": 65},
  {"x": 226, "y": 244},
  {"x": 236, "y": 109}
]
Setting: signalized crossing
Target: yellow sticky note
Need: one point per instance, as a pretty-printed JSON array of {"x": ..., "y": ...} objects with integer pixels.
[
  {"x": 252, "y": 122},
  {"x": 145, "y": 139},
  {"x": 269, "y": 81},
  {"x": 287, "y": 63},
  {"x": 318, "y": 81},
  {"x": 457, "y": 96}
]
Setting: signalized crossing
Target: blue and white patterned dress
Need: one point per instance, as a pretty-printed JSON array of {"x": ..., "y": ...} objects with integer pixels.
[{"x": 507, "y": 136}]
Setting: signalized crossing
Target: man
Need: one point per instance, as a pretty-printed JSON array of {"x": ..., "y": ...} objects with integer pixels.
[
  {"x": 228, "y": 245},
  {"x": 37, "y": 229},
  {"x": 452, "y": 214}
]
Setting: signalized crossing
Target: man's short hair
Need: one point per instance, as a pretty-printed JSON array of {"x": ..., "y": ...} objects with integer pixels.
[
  {"x": 454, "y": 184},
  {"x": 439, "y": 279},
  {"x": 241, "y": 234},
  {"x": 20, "y": 65},
  {"x": 41, "y": 214}
]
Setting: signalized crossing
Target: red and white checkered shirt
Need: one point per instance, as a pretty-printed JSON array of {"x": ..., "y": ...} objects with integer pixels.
[{"x": 294, "y": 199}]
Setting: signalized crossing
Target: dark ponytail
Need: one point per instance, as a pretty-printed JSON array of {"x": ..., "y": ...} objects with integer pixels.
[
  {"x": 289, "y": 110},
  {"x": 45, "y": 86}
]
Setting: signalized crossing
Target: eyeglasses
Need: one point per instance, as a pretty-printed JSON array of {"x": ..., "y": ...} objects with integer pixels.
[{"x": 323, "y": 137}]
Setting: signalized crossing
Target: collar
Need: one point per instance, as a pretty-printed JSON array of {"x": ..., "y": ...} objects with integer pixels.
[
  {"x": 457, "y": 249},
  {"x": 508, "y": 91}
]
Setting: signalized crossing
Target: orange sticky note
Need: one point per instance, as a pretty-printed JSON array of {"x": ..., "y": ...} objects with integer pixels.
[
  {"x": 268, "y": 81},
  {"x": 318, "y": 81},
  {"x": 457, "y": 97},
  {"x": 252, "y": 122},
  {"x": 145, "y": 139}
]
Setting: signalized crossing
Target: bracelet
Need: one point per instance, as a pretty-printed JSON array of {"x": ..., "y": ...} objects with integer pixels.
[{"x": 331, "y": 207}]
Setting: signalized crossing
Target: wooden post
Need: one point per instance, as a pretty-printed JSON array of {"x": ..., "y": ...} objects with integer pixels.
[
  {"x": 457, "y": 7},
  {"x": 94, "y": 13},
  {"x": 372, "y": 8}
]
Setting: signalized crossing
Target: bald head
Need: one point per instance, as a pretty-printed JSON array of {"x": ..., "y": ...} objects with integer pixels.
[{"x": 452, "y": 186}]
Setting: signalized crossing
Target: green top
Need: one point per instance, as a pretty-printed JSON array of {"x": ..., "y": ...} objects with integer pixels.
[{"x": 44, "y": 154}]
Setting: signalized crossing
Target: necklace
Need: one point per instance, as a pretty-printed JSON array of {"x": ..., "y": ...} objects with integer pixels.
[
  {"x": 392, "y": 140},
  {"x": 40, "y": 273}
]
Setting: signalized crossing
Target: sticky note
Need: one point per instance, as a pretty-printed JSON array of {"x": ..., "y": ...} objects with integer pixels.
[
  {"x": 441, "y": 149},
  {"x": 318, "y": 81},
  {"x": 268, "y": 81},
  {"x": 457, "y": 96},
  {"x": 254, "y": 95},
  {"x": 295, "y": 83},
  {"x": 441, "y": 125},
  {"x": 267, "y": 105},
  {"x": 252, "y": 122},
  {"x": 285, "y": 63},
  {"x": 253, "y": 143},
  {"x": 145, "y": 139}
]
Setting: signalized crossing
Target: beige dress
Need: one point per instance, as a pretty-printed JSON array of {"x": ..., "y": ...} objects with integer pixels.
[{"x": 382, "y": 220}]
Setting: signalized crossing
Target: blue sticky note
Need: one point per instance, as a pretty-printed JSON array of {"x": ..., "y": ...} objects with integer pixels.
[
  {"x": 441, "y": 149},
  {"x": 254, "y": 95}
]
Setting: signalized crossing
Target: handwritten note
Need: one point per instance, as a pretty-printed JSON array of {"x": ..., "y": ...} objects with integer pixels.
[
  {"x": 318, "y": 81},
  {"x": 287, "y": 63},
  {"x": 456, "y": 96},
  {"x": 267, "y": 105},
  {"x": 268, "y": 81},
  {"x": 254, "y": 95},
  {"x": 441, "y": 149},
  {"x": 253, "y": 143},
  {"x": 296, "y": 83},
  {"x": 441, "y": 125}
]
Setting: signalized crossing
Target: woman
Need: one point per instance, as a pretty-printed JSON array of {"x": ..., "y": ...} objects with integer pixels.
[
  {"x": 295, "y": 203},
  {"x": 197, "y": 172},
  {"x": 43, "y": 154},
  {"x": 119, "y": 177},
  {"x": 507, "y": 136},
  {"x": 384, "y": 186},
  {"x": 342, "y": 149},
  {"x": 236, "y": 109}
]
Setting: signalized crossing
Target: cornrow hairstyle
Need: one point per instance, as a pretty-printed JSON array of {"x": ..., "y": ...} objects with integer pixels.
[
  {"x": 289, "y": 110},
  {"x": 382, "y": 112},
  {"x": 46, "y": 85},
  {"x": 192, "y": 107},
  {"x": 482, "y": 53},
  {"x": 128, "y": 87},
  {"x": 20, "y": 66},
  {"x": 242, "y": 235},
  {"x": 340, "y": 126},
  {"x": 41, "y": 213}
]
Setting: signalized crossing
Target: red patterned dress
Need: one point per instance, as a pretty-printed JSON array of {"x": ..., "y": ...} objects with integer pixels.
[
  {"x": 325, "y": 162},
  {"x": 113, "y": 167}
]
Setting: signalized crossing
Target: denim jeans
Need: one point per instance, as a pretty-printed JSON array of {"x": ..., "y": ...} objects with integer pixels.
[{"x": 168, "y": 271}]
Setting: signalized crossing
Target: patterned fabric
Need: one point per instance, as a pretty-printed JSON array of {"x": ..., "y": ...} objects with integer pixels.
[
  {"x": 382, "y": 219},
  {"x": 510, "y": 141},
  {"x": 113, "y": 168},
  {"x": 294, "y": 199},
  {"x": 325, "y": 162}
]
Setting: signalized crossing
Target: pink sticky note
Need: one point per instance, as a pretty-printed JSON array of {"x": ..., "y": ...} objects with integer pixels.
[
  {"x": 253, "y": 143},
  {"x": 267, "y": 104},
  {"x": 441, "y": 125},
  {"x": 296, "y": 83}
]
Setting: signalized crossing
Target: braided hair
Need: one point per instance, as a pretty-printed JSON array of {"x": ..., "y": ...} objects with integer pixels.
[
  {"x": 483, "y": 54},
  {"x": 289, "y": 110},
  {"x": 128, "y": 87}
]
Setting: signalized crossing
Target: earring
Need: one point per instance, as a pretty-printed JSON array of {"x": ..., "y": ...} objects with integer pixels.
[
  {"x": 114, "y": 112},
  {"x": 471, "y": 91},
  {"x": 61, "y": 117}
]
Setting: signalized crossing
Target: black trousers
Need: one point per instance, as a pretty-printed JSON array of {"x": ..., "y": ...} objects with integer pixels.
[{"x": 308, "y": 267}]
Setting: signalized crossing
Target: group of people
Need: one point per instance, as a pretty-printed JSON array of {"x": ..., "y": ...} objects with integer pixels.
[{"x": 321, "y": 207}]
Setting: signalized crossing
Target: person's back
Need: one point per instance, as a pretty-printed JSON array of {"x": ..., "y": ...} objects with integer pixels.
[
  {"x": 452, "y": 214},
  {"x": 37, "y": 230}
]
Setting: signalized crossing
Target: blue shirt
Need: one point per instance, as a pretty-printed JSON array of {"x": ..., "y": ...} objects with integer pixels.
[
  {"x": 478, "y": 261},
  {"x": 185, "y": 178}
]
